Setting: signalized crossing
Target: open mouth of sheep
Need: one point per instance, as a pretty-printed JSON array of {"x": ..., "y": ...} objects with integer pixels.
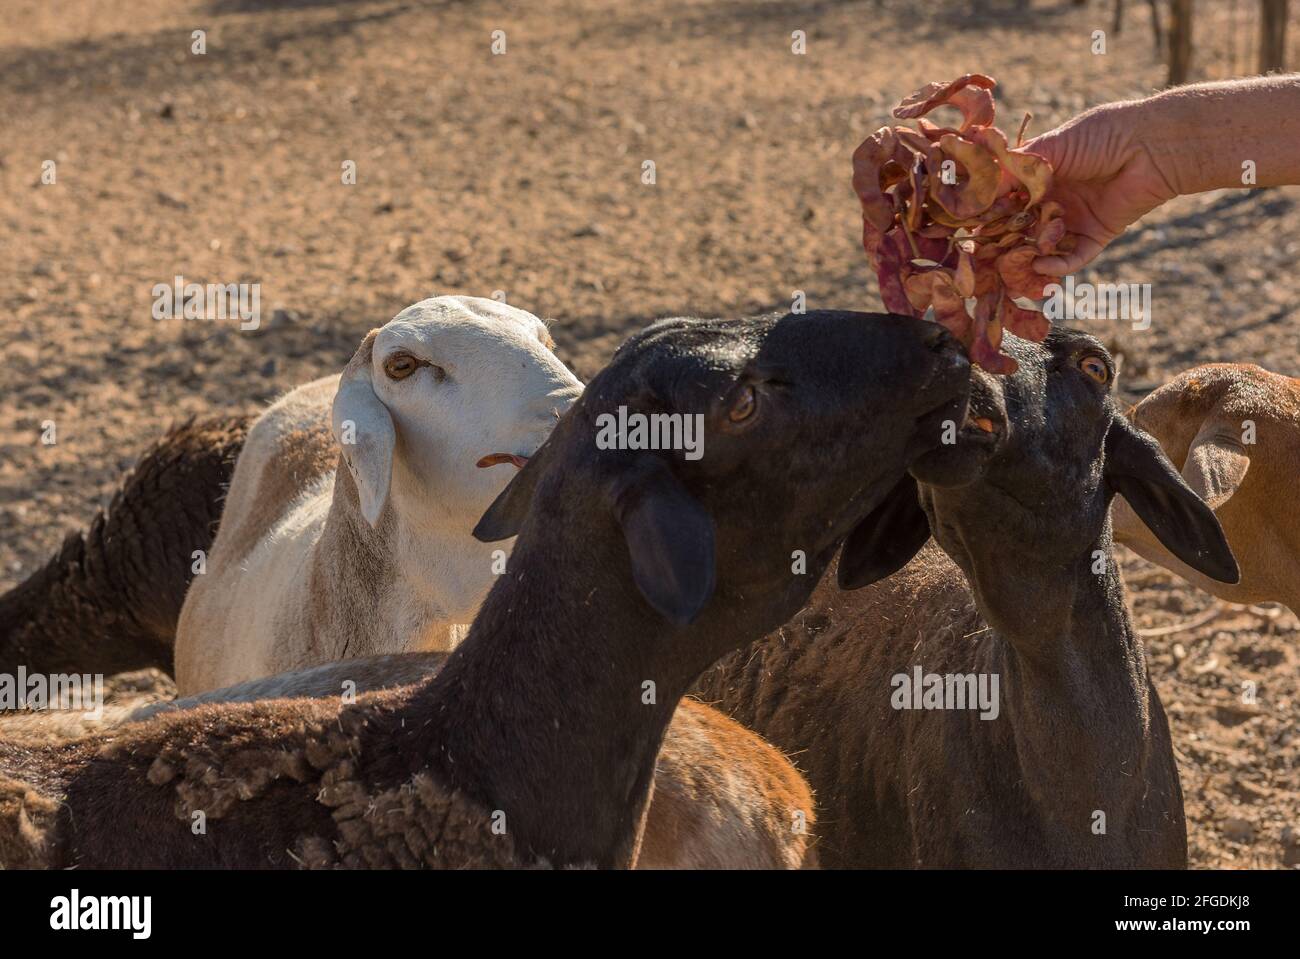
[
  {"x": 985, "y": 423},
  {"x": 981, "y": 429}
]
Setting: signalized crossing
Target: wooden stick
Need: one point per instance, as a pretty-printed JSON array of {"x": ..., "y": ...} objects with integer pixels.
[
  {"x": 1272, "y": 35},
  {"x": 1180, "y": 41}
]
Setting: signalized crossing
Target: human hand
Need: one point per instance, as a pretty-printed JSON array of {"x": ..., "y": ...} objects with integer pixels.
[{"x": 1103, "y": 177}]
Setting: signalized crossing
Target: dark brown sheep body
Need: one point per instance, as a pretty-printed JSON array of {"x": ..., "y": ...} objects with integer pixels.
[
  {"x": 723, "y": 797},
  {"x": 282, "y": 784},
  {"x": 945, "y": 788},
  {"x": 110, "y": 599},
  {"x": 199, "y": 799}
]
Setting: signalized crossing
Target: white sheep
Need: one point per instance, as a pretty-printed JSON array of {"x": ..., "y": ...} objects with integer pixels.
[{"x": 313, "y": 563}]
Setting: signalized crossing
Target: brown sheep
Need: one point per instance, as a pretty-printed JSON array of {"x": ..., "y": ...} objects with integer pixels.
[{"x": 1235, "y": 429}]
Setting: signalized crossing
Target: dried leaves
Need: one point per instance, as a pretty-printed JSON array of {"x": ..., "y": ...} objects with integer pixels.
[{"x": 954, "y": 218}]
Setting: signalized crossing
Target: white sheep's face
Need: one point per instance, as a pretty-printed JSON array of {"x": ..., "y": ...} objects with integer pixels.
[{"x": 460, "y": 379}]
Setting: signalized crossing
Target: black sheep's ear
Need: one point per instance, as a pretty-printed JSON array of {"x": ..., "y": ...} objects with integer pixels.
[
  {"x": 669, "y": 539},
  {"x": 882, "y": 544},
  {"x": 1137, "y": 469},
  {"x": 505, "y": 516}
]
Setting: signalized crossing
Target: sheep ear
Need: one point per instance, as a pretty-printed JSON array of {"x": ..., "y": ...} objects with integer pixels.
[
  {"x": 1215, "y": 466},
  {"x": 365, "y": 433},
  {"x": 1138, "y": 470},
  {"x": 886, "y": 540},
  {"x": 669, "y": 539}
]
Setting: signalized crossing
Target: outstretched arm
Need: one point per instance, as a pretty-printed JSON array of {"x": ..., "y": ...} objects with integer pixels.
[{"x": 1117, "y": 162}]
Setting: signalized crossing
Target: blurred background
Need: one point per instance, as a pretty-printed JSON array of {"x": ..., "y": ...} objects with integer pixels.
[{"x": 521, "y": 171}]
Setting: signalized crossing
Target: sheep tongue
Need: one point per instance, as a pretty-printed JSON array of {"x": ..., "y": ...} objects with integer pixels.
[{"x": 492, "y": 459}]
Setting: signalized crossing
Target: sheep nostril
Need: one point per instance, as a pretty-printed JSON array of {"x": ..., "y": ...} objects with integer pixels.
[{"x": 935, "y": 338}]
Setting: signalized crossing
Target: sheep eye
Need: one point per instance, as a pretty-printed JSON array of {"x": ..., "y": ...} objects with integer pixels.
[
  {"x": 744, "y": 406},
  {"x": 1096, "y": 368},
  {"x": 400, "y": 365}
]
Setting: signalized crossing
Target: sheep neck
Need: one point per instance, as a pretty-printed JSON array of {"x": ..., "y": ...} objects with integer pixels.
[
  {"x": 553, "y": 676},
  {"x": 1076, "y": 694},
  {"x": 1052, "y": 615},
  {"x": 406, "y": 583}
]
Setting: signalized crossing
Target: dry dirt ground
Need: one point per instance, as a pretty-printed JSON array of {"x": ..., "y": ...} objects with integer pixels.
[{"x": 522, "y": 172}]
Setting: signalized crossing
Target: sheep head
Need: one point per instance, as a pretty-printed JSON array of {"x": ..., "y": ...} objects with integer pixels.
[
  {"x": 448, "y": 384},
  {"x": 792, "y": 429},
  {"x": 1031, "y": 475}
]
